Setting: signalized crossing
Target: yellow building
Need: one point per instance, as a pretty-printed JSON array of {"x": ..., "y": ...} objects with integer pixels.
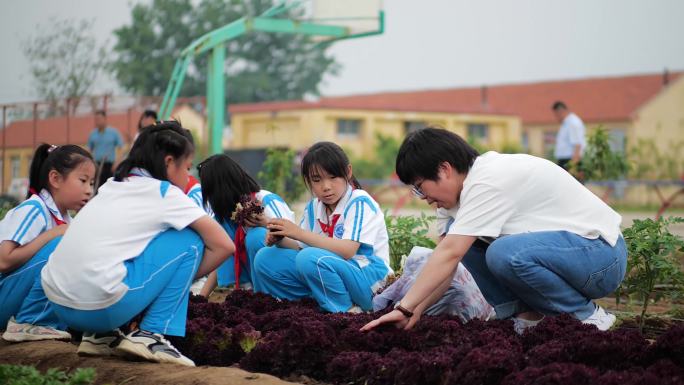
[
  {"x": 356, "y": 129},
  {"x": 354, "y": 121},
  {"x": 630, "y": 107}
]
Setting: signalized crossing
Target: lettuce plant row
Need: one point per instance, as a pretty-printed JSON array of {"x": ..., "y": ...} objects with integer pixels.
[{"x": 286, "y": 339}]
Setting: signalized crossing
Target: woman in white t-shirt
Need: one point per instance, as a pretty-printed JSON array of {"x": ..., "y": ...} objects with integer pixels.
[
  {"x": 536, "y": 241},
  {"x": 135, "y": 248}
]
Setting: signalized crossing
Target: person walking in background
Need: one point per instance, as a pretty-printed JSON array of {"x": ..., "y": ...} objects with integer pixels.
[
  {"x": 103, "y": 143},
  {"x": 570, "y": 140}
]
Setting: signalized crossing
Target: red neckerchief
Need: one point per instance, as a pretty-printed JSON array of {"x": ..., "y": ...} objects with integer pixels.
[
  {"x": 240, "y": 255},
  {"x": 329, "y": 229},
  {"x": 57, "y": 220},
  {"x": 192, "y": 181}
]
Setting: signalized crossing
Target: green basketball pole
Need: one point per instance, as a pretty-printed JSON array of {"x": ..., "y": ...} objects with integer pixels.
[{"x": 214, "y": 43}]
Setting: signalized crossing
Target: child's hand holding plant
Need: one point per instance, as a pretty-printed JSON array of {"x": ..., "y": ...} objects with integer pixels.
[
  {"x": 249, "y": 212},
  {"x": 283, "y": 228}
]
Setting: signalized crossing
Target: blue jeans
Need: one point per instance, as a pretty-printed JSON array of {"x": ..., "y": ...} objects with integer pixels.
[
  {"x": 551, "y": 272},
  {"x": 22, "y": 295},
  {"x": 158, "y": 283}
]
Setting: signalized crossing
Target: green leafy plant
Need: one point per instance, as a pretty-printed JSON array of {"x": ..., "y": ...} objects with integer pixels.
[
  {"x": 28, "y": 375},
  {"x": 279, "y": 175},
  {"x": 653, "y": 270},
  {"x": 4, "y": 208},
  {"x": 404, "y": 233},
  {"x": 599, "y": 161},
  {"x": 382, "y": 165}
]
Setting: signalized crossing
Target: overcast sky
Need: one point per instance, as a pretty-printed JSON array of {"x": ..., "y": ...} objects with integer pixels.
[{"x": 430, "y": 43}]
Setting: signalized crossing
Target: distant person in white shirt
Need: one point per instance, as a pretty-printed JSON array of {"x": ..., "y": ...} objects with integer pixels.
[
  {"x": 536, "y": 241},
  {"x": 570, "y": 141}
]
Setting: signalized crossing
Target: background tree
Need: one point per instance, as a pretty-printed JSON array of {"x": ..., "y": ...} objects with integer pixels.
[
  {"x": 65, "y": 60},
  {"x": 259, "y": 66}
]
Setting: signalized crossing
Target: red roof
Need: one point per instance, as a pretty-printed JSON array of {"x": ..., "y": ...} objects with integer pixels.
[
  {"x": 54, "y": 130},
  {"x": 593, "y": 99}
]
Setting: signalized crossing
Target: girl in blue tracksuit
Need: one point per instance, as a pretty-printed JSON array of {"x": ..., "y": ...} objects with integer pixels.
[
  {"x": 339, "y": 254},
  {"x": 224, "y": 183},
  {"x": 61, "y": 179},
  {"x": 135, "y": 249}
]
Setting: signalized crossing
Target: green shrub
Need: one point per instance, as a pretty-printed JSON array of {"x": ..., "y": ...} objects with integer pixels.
[
  {"x": 278, "y": 174},
  {"x": 28, "y": 375},
  {"x": 382, "y": 164},
  {"x": 404, "y": 233},
  {"x": 653, "y": 270},
  {"x": 599, "y": 162},
  {"x": 7, "y": 203}
]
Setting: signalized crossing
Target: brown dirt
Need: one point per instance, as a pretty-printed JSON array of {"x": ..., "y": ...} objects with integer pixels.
[{"x": 111, "y": 370}]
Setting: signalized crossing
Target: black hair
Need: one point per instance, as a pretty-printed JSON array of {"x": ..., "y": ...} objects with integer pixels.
[
  {"x": 152, "y": 146},
  {"x": 101, "y": 112},
  {"x": 558, "y": 105},
  {"x": 146, "y": 114},
  {"x": 188, "y": 135},
  {"x": 62, "y": 159},
  {"x": 224, "y": 182},
  {"x": 329, "y": 157},
  {"x": 423, "y": 151}
]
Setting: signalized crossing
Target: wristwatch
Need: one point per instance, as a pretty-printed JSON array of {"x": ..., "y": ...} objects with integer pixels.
[{"x": 406, "y": 312}]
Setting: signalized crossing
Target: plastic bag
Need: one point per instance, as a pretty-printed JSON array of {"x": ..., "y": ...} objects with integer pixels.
[{"x": 462, "y": 299}]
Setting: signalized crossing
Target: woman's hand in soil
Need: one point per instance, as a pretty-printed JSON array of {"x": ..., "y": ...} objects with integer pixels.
[{"x": 395, "y": 316}]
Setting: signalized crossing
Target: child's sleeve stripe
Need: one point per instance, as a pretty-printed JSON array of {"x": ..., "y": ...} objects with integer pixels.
[{"x": 26, "y": 224}]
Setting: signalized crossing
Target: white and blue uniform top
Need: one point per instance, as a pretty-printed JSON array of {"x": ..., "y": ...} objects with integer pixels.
[
  {"x": 274, "y": 206},
  {"x": 195, "y": 193},
  {"x": 117, "y": 225},
  {"x": 31, "y": 218},
  {"x": 360, "y": 220}
]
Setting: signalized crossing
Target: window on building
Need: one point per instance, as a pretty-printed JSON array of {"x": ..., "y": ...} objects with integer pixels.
[
  {"x": 15, "y": 166},
  {"x": 348, "y": 127},
  {"x": 413, "y": 125},
  {"x": 617, "y": 140},
  {"x": 478, "y": 132}
]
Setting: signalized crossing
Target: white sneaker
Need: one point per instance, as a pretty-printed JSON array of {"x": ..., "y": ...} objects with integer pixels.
[
  {"x": 246, "y": 286},
  {"x": 520, "y": 325},
  {"x": 197, "y": 286},
  {"x": 17, "y": 332},
  {"x": 100, "y": 344},
  {"x": 355, "y": 310},
  {"x": 601, "y": 319},
  {"x": 152, "y": 347}
]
